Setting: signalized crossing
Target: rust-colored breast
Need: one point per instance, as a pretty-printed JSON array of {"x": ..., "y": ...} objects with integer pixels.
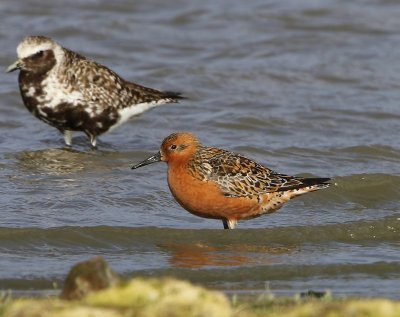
[{"x": 204, "y": 198}]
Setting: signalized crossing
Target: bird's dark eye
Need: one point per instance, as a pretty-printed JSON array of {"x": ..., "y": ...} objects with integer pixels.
[
  {"x": 39, "y": 54},
  {"x": 173, "y": 147}
]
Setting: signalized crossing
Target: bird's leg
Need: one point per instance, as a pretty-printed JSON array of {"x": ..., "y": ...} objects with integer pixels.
[
  {"x": 229, "y": 224},
  {"x": 92, "y": 137},
  {"x": 67, "y": 137},
  {"x": 93, "y": 140}
]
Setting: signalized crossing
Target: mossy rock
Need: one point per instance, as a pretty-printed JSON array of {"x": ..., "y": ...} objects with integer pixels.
[
  {"x": 88, "y": 276},
  {"x": 138, "y": 297},
  {"x": 163, "y": 297},
  {"x": 167, "y": 297}
]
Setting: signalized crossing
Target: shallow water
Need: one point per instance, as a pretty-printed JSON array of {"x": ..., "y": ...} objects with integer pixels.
[{"x": 304, "y": 87}]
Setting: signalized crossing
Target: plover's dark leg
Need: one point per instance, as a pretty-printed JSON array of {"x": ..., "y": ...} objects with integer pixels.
[
  {"x": 229, "y": 224},
  {"x": 68, "y": 137}
]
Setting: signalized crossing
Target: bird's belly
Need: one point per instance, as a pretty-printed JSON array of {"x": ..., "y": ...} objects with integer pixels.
[
  {"x": 68, "y": 113},
  {"x": 205, "y": 199}
]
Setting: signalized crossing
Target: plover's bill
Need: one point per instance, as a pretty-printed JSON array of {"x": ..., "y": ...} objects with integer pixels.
[
  {"x": 214, "y": 183},
  {"x": 73, "y": 93}
]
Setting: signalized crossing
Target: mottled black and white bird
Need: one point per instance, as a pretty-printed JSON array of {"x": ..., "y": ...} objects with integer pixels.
[{"x": 73, "y": 93}]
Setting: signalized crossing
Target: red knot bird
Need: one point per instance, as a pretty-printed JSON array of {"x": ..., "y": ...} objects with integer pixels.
[{"x": 215, "y": 183}]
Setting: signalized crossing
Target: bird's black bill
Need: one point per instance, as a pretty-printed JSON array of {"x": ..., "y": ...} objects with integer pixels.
[
  {"x": 152, "y": 159},
  {"x": 14, "y": 66}
]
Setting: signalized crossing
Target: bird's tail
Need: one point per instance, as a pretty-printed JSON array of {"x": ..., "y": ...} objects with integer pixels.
[
  {"x": 309, "y": 185},
  {"x": 173, "y": 96},
  {"x": 315, "y": 183},
  {"x": 306, "y": 185}
]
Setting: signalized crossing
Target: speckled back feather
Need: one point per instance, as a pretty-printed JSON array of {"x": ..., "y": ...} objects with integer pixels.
[
  {"x": 238, "y": 176},
  {"x": 102, "y": 87}
]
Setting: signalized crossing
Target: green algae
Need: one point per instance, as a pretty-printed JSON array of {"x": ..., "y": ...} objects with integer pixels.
[
  {"x": 163, "y": 297},
  {"x": 326, "y": 308},
  {"x": 168, "y": 297},
  {"x": 93, "y": 289},
  {"x": 139, "y": 297}
]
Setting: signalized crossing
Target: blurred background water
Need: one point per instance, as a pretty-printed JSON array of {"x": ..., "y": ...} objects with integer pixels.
[{"x": 305, "y": 87}]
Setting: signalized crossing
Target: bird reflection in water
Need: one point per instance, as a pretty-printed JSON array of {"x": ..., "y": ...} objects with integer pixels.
[
  {"x": 199, "y": 255},
  {"x": 53, "y": 161}
]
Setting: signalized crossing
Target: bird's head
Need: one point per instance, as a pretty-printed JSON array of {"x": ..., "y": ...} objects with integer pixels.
[
  {"x": 176, "y": 148},
  {"x": 37, "y": 54}
]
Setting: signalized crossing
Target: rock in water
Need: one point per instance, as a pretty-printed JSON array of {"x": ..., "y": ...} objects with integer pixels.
[{"x": 88, "y": 276}]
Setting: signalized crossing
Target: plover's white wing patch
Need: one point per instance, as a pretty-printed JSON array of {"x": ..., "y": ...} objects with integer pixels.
[{"x": 128, "y": 112}]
